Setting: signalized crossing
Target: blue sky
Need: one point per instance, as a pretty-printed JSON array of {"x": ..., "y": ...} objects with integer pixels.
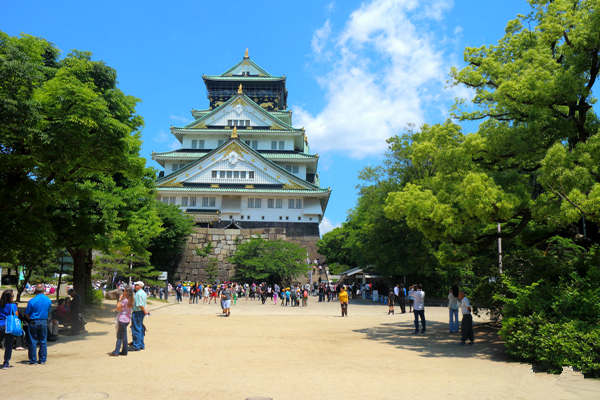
[{"x": 358, "y": 71}]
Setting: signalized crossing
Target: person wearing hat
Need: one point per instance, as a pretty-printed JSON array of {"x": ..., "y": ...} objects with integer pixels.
[{"x": 137, "y": 317}]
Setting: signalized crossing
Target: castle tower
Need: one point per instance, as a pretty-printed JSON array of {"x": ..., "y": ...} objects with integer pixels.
[{"x": 242, "y": 164}]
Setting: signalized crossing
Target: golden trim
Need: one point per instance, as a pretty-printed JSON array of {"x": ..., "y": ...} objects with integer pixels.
[
  {"x": 214, "y": 186},
  {"x": 240, "y": 89},
  {"x": 234, "y": 134},
  {"x": 249, "y": 187}
]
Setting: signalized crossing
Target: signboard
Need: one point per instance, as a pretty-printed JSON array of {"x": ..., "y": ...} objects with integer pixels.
[{"x": 162, "y": 276}]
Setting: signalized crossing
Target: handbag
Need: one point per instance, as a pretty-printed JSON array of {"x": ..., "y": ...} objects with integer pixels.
[{"x": 13, "y": 325}]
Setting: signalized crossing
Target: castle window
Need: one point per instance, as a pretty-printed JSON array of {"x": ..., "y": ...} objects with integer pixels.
[
  {"x": 254, "y": 202},
  {"x": 200, "y": 144},
  {"x": 193, "y": 201},
  {"x": 295, "y": 203},
  {"x": 250, "y": 174},
  {"x": 271, "y": 203},
  {"x": 279, "y": 203},
  {"x": 184, "y": 201},
  {"x": 263, "y": 217},
  {"x": 172, "y": 200},
  {"x": 274, "y": 145},
  {"x": 236, "y": 174},
  {"x": 209, "y": 201},
  {"x": 194, "y": 144},
  {"x": 281, "y": 145},
  {"x": 214, "y": 174},
  {"x": 229, "y": 174},
  {"x": 252, "y": 143},
  {"x": 222, "y": 174},
  {"x": 242, "y": 174},
  {"x": 299, "y": 218}
]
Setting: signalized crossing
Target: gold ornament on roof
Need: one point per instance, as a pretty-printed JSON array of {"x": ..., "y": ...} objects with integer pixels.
[
  {"x": 234, "y": 134},
  {"x": 240, "y": 89},
  {"x": 246, "y": 53}
]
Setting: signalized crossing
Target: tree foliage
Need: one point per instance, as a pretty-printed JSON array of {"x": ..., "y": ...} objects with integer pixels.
[
  {"x": 71, "y": 171},
  {"x": 269, "y": 260},
  {"x": 167, "y": 247},
  {"x": 531, "y": 166}
]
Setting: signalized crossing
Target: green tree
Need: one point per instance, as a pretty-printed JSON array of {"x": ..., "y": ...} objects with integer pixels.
[
  {"x": 532, "y": 167},
  {"x": 71, "y": 171},
  {"x": 211, "y": 269},
  {"x": 166, "y": 248},
  {"x": 269, "y": 260}
]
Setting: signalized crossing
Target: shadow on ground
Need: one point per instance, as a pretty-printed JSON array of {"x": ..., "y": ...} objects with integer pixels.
[{"x": 437, "y": 342}]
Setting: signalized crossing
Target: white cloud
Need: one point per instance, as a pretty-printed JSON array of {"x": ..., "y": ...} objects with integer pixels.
[
  {"x": 167, "y": 139},
  {"x": 327, "y": 226},
  {"x": 388, "y": 68},
  {"x": 180, "y": 119},
  {"x": 320, "y": 37}
]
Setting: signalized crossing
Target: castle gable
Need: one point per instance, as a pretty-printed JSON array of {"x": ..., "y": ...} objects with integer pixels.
[{"x": 234, "y": 163}]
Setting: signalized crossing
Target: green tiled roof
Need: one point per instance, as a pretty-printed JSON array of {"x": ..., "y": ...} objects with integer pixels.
[
  {"x": 243, "y": 78},
  {"x": 244, "y": 190},
  {"x": 240, "y": 131},
  {"x": 248, "y": 61},
  {"x": 252, "y": 103},
  {"x": 271, "y": 156}
]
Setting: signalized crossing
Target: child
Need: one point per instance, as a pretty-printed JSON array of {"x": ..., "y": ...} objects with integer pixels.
[{"x": 391, "y": 297}]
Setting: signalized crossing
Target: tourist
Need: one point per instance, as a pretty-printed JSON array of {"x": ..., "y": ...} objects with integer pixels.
[
  {"x": 402, "y": 299},
  {"x": 226, "y": 295},
  {"x": 205, "y": 297},
  {"x": 466, "y": 326},
  {"x": 137, "y": 318},
  {"x": 411, "y": 292},
  {"x": 397, "y": 293},
  {"x": 392, "y": 296},
  {"x": 7, "y": 307},
  {"x": 304, "y": 297},
  {"x": 343, "y": 297},
  {"x": 192, "y": 294},
  {"x": 287, "y": 296},
  {"x": 419, "y": 307},
  {"x": 275, "y": 290},
  {"x": 124, "y": 307},
  {"x": 453, "y": 304},
  {"x": 37, "y": 312},
  {"x": 213, "y": 294},
  {"x": 178, "y": 293}
]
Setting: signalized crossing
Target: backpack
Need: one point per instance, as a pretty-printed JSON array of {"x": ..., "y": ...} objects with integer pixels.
[{"x": 305, "y": 294}]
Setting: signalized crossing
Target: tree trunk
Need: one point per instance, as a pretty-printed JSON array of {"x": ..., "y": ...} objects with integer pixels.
[
  {"x": 82, "y": 272},
  {"x": 21, "y": 287}
]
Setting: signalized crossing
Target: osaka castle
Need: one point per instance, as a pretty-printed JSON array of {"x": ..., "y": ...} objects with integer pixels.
[{"x": 242, "y": 164}]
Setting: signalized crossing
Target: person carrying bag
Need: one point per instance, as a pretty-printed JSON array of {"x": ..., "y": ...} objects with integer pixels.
[{"x": 10, "y": 325}]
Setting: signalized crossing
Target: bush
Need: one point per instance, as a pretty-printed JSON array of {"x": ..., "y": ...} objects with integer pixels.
[
  {"x": 94, "y": 297},
  {"x": 550, "y": 346}
]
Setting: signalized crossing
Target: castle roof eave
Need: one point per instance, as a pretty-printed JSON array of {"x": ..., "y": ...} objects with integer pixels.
[{"x": 281, "y": 170}]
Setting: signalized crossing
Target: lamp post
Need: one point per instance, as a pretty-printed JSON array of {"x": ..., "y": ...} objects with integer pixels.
[
  {"x": 130, "y": 267},
  {"x": 499, "y": 248}
]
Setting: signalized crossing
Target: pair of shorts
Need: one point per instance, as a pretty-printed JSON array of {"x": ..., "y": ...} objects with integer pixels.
[{"x": 226, "y": 303}]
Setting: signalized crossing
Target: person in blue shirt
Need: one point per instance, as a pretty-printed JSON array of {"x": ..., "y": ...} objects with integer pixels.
[
  {"x": 37, "y": 311},
  {"x": 7, "y": 307}
]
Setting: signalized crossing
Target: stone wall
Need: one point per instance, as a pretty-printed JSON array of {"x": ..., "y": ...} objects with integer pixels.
[{"x": 224, "y": 242}]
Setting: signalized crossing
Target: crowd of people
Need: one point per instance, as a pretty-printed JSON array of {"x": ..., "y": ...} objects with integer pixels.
[{"x": 40, "y": 322}]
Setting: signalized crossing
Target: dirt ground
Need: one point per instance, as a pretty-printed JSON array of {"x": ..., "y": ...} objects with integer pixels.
[{"x": 284, "y": 353}]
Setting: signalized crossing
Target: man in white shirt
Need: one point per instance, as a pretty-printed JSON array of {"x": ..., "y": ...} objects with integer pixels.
[
  {"x": 419, "y": 308},
  {"x": 466, "y": 327}
]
